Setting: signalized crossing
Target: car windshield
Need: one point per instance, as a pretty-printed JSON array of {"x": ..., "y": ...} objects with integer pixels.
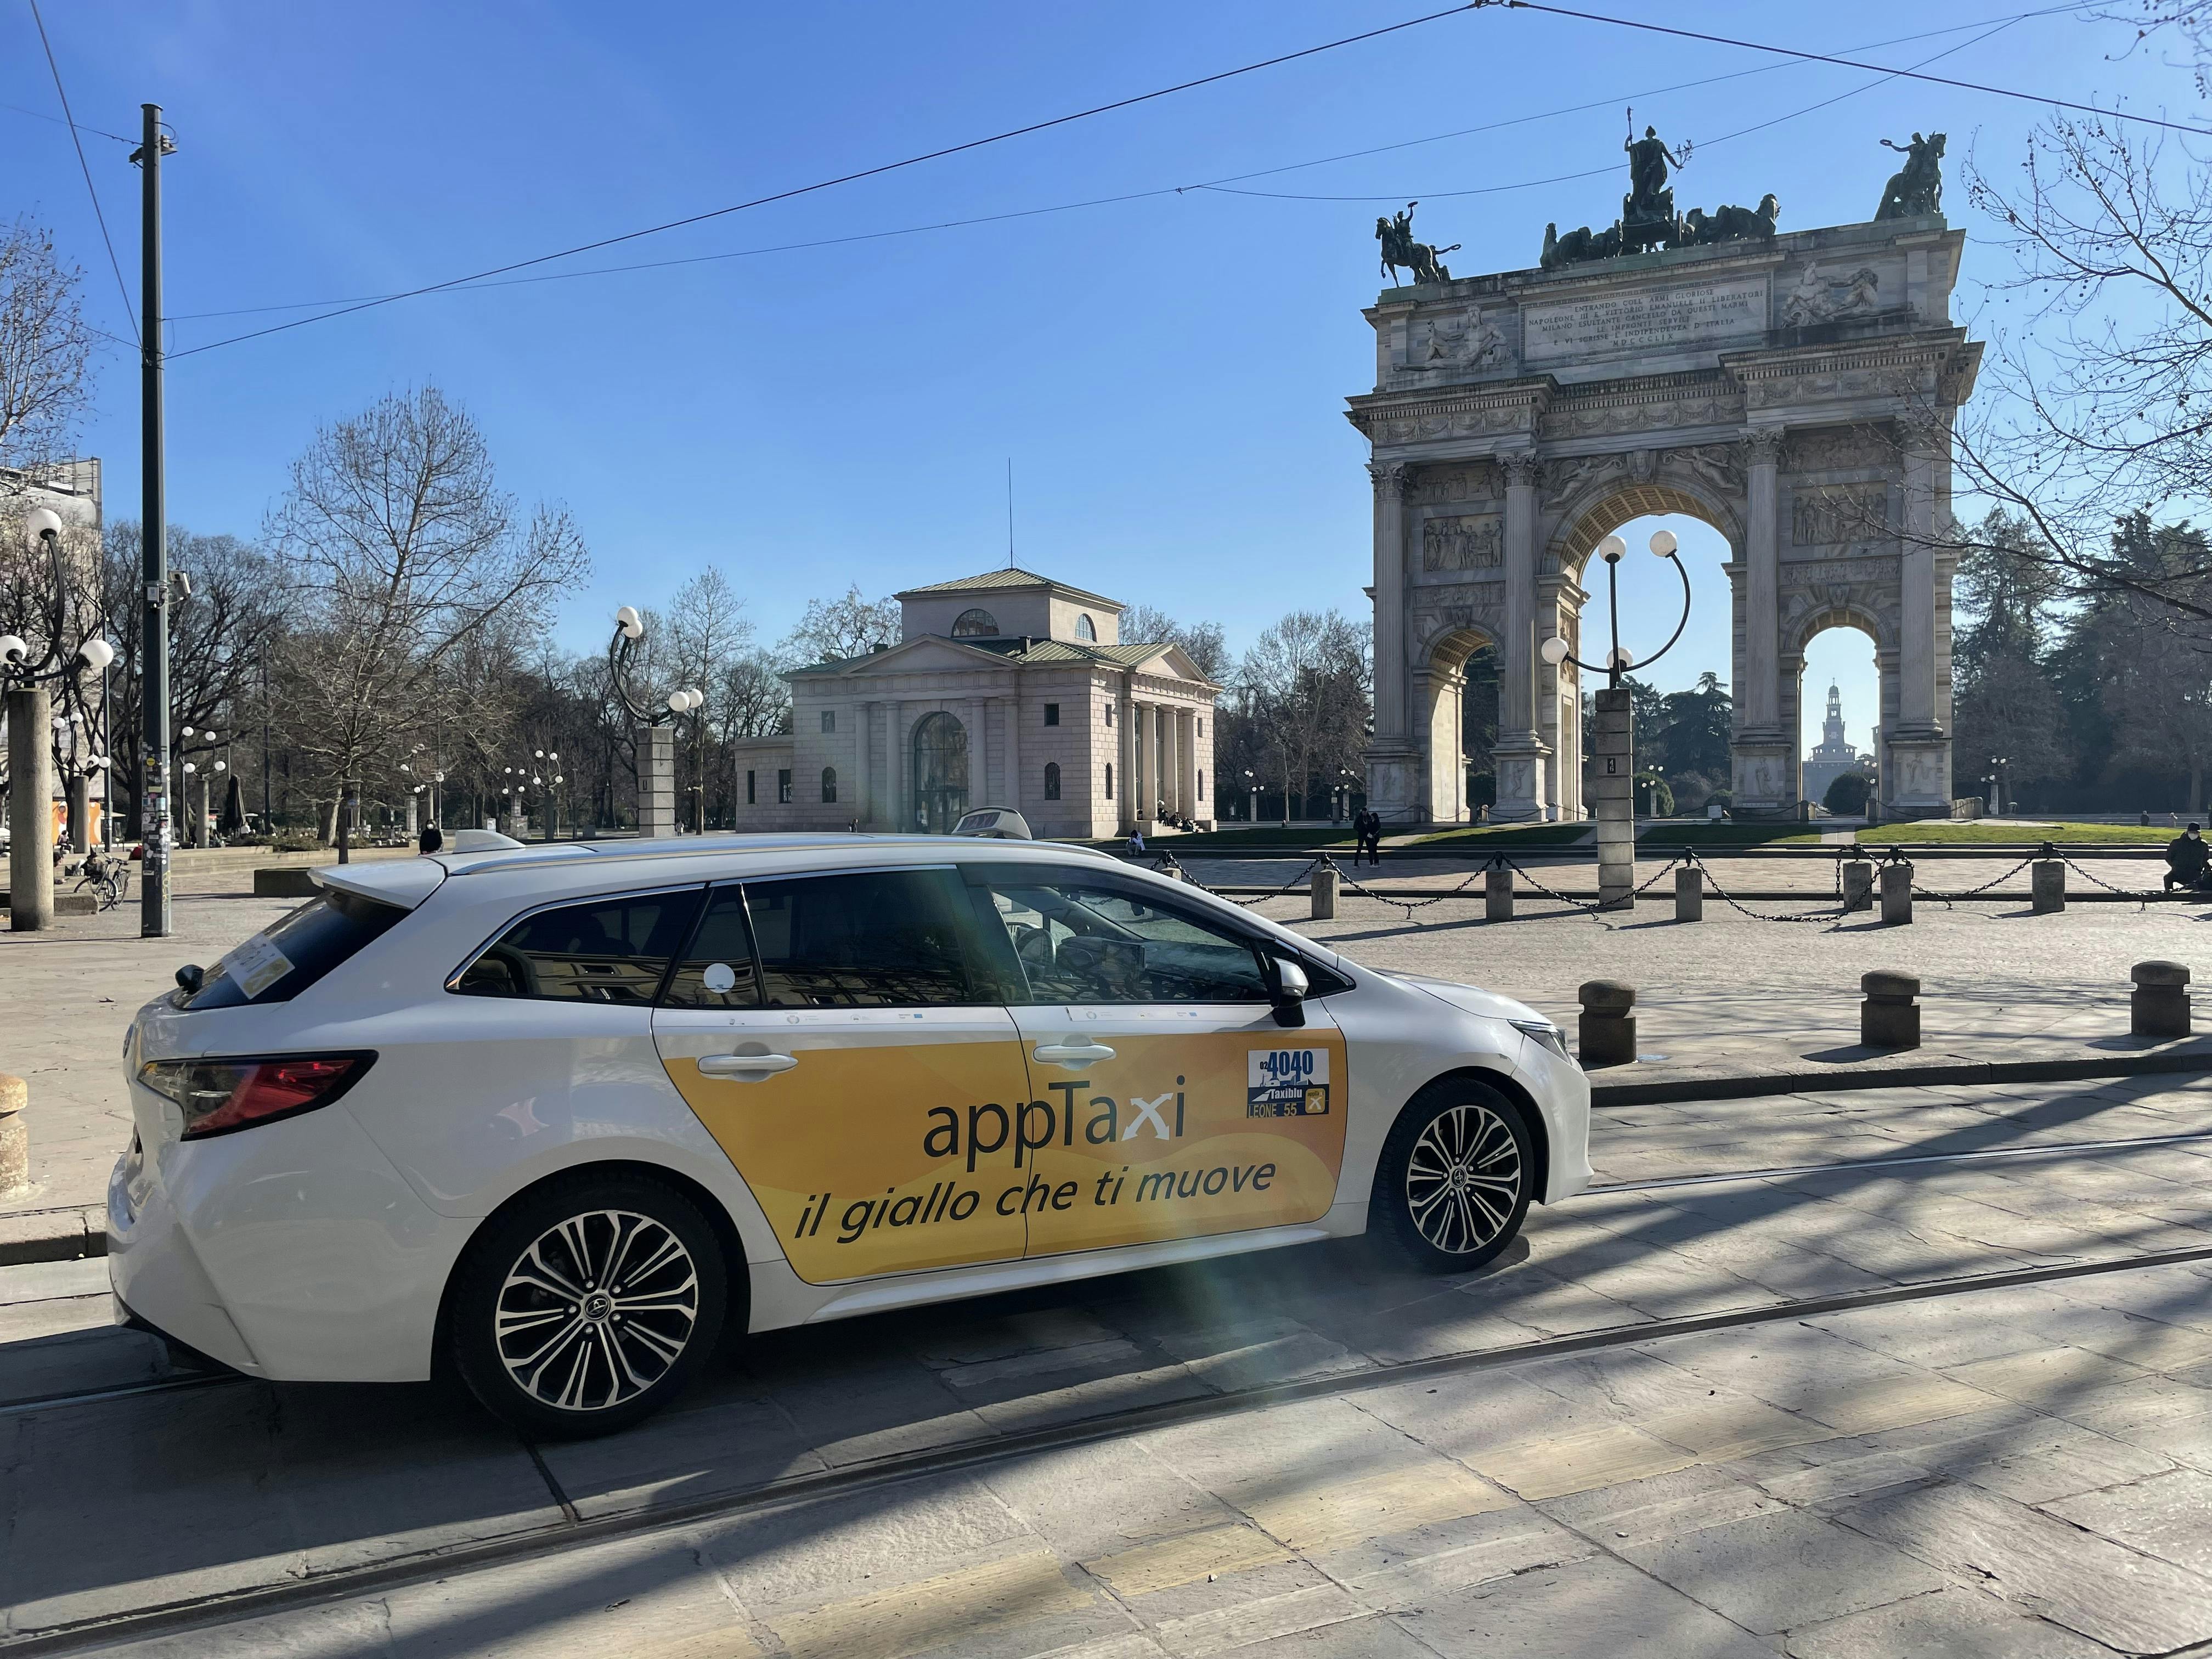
[{"x": 283, "y": 960}]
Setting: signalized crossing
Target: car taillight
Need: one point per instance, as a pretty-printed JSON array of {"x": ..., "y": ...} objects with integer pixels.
[{"x": 219, "y": 1096}]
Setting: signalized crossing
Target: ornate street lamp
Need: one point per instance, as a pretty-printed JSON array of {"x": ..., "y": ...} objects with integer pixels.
[
  {"x": 1614, "y": 746},
  {"x": 656, "y": 746},
  {"x": 30, "y": 737}
]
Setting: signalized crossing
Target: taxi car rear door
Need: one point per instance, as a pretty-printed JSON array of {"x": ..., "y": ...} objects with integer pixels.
[
  {"x": 1165, "y": 1101},
  {"x": 830, "y": 1033}
]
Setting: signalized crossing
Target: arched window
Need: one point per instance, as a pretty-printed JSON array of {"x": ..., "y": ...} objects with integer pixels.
[
  {"x": 940, "y": 774},
  {"x": 1086, "y": 630},
  {"x": 976, "y": 624},
  {"x": 1052, "y": 779},
  {"x": 830, "y": 783}
]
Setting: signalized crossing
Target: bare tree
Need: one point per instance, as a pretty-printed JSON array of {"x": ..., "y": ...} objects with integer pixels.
[
  {"x": 45, "y": 350},
  {"x": 1306, "y": 681},
  {"x": 404, "y": 553},
  {"x": 840, "y": 628}
]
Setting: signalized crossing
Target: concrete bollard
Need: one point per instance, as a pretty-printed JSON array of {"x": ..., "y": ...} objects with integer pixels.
[
  {"x": 2046, "y": 886},
  {"x": 1608, "y": 1022},
  {"x": 1897, "y": 892},
  {"x": 1690, "y": 894},
  {"x": 1498, "y": 895},
  {"x": 14, "y": 1135},
  {"x": 1889, "y": 1018},
  {"x": 1858, "y": 885},
  {"x": 2160, "y": 1005},
  {"x": 1324, "y": 893}
]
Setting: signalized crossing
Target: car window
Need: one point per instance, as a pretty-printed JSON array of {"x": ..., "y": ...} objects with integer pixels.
[
  {"x": 884, "y": 938},
  {"x": 1080, "y": 943},
  {"x": 609, "y": 950},
  {"x": 717, "y": 968},
  {"x": 283, "y": 960}
]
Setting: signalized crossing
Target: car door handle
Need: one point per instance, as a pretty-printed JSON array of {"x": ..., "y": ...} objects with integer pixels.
[
  {"x": 745, "y": 1068},
  {"x": 1073, "y": 1055}
]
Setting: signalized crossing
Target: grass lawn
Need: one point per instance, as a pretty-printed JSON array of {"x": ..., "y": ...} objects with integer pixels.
[
  {"x": 1942, "y": 833},
  {"x": 1507, "y": 835},
  {"x": 1261, "y": 836},
  {"x": 1727, "y": 835}
]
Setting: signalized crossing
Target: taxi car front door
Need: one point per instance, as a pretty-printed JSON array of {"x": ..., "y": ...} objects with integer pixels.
[
  {"x": 1165, "y": 1101},
  {"x": 829, "y": 1032}
]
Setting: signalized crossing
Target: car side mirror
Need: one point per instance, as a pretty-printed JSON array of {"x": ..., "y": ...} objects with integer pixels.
[{"x": 1291, "y": 988}]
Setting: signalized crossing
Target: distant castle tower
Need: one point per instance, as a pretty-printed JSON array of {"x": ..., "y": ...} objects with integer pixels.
[{"x": 1833, "y": 755}]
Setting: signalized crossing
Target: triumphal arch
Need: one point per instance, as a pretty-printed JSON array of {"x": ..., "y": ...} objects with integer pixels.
[{"x": 1795, "y": 390}]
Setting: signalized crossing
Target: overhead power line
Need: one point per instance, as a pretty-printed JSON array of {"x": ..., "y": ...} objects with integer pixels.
[
  {"x": 864, "y": 172},
  {"x": 1847, "y": 63},
  {"x": 1225, "y": 185},
  {"x": 41, "y": 115},
  {"x": 113, "y": 264}
]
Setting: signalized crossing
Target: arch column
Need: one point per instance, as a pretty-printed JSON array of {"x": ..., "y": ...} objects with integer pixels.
[
  {"x": 1520, "y": 753},
  {"x": 1442, "y": 691},
  {"x": 1761, "y": 747},
  {"x": 1919, "y": 748},
  {"x": 1393, "y": 760}
]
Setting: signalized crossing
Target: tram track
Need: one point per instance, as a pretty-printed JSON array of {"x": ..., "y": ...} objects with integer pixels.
[
  {"x": 884, "y": 1473},
  {"x": 1852, "y": 1165}
]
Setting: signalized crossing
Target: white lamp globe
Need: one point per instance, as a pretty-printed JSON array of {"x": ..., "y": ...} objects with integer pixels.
[
  {"x": 696, "y": 698},
  {"x": 190, "y": 768},
  {"x": 12, "y": 649},
  {"x": 541, "y": 754},
  {"x": 222, "y": 766},
  {"x": 627, "y": 620},
  {"x": 554, "y": 755},
  {"x": 1611, "y": 549},
  {"x": 97, "y": 652},
  {"x": 678, "y": 702},
  {"x": 1621, "y": 659},
  {"x": 42, "y": 521},
  {"x": 1663, "y": 543},
  {"x": 1554, "y": 650},
  {"x": 188, "y": 732}
]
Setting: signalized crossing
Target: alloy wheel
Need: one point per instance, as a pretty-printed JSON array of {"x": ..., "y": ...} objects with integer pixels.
[
  {"x": 597, "y": 1310},
  {"x": 1463, "y": 1179}
]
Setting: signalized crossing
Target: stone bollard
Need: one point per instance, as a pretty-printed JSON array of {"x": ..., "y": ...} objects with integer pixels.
[
  {"x": 2046, "y": 886},
  {"x": 1498, "y": 895},
  {"x": 1324, "y": 892},
  {"x": 1690, "y": 894},
  {"x": 1858, "y": 885},
  {"x": 14, "y": 1135},
  {"x": 2159, "y": 1006},
  {"x": 1897, "y": 892},
  {"x": 1889, "y": 1018},
  {"x": 1608, "y": 1022}
]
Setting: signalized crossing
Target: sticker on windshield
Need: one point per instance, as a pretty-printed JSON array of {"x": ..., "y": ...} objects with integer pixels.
[
  {"x": 1287, "y": 1083},
  {"x": 255, "y": 965}
]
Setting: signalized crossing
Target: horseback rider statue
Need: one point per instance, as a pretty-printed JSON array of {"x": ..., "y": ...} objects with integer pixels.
[
  {"x": 1647, "y": 212},
  {"x": 1396, "y": 232},
  {"x": 1916, "y": 190}
]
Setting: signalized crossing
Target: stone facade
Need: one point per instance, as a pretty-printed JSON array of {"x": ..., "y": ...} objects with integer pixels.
[
  {"x": 1797, "y": 394},
  {"x": 1004, "y": 690}
]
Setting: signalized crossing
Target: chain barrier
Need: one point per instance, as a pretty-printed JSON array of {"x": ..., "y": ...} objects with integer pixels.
[
  {"x": 1721, "y": 893},
  {"x": 1169, "y": 867},
  {"x": 2142, "y": 900}
]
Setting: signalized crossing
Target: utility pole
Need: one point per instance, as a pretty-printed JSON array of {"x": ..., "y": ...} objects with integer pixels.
[{"x": 153, "y": 921}]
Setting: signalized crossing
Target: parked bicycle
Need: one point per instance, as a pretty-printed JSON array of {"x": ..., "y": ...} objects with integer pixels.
[{"x": 108, "y": 876}]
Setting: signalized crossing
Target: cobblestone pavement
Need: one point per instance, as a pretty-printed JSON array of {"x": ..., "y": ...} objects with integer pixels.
[{"x": 2021, "y": 1470}]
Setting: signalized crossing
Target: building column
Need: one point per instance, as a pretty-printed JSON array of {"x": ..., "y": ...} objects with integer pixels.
[
  {"x": 1761, "y": 747},
  {"x": 1148, "y": 762},
  {"x": 1187, "y": 763},
  {"x": 1520, "y": 752},
  {"x": 978, "y": 751},
  {"x": 1392, "y": 759},
  {"x": 864, "y": 787},
  {"x": 1011, "y": 707},
  {"x": 1919, "y": 783},
  {"x": 900, "y": 817},
  {"x": 1125, "y": 751}
]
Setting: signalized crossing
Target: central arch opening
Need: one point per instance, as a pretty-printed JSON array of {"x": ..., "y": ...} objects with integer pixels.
[{"x": 941, "y": 773}]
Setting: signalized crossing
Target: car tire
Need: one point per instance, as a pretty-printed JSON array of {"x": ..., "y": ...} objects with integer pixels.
[
  {"x": 1454, "y": 1183},
  {"x": 550, "y": 1341}
]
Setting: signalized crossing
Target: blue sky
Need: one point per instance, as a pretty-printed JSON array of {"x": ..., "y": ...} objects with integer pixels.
[{"x": 1166, "y": 374}]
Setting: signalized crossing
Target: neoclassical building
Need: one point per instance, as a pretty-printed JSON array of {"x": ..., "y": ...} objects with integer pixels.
[
  {"x": 1006, "y": 689},
  {"x": 1834, "y": 755}
]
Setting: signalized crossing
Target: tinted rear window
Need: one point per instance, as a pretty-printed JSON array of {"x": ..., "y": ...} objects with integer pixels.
[
  {"x": 281, "y": 961},
  {"x": 607, "y": 950}
]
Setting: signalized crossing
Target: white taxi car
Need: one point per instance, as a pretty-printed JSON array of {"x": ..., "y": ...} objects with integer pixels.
[{"x": 561, "y": 1113}]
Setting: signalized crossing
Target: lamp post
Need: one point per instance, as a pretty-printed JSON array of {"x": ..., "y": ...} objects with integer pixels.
[
  {"x": 30, "y": 735},
  {"x": 1615, "y": 746},
  {"x": 1998, "y": 764},
  {"x": 1252, "y": 816},
  {"x": 656, "y": 741}
]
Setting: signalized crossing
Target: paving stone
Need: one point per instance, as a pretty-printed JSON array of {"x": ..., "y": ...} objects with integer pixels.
[
  {"x": 1951, "y": 1624},
  {"x": 1249, "y": 1623},
  {"x": 1022, "y": 1603},
  {"x": 1771, "y": 1571},
  {"x": 1100, "y": 1499},
  {"x": 1597, "y": 1606},
  {"x": 2105, "y": 1592},
  {"x": 839, "y": 1545},
  {"x": 2059, "y": 1464},
  {"x": 1436, "y": 1560},
  {"x": 2169, "y": 1515},
  {"x": 1641, "y": 1511}
]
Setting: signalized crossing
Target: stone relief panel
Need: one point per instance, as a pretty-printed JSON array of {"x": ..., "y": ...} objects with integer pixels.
[
  {"x": 1443, "y": 613},
  {"x": 1605, "y": 415},
  {"x": 1470, "y": 481},
  {"x": 1822, "y": 515},
  {"x": 1468, "y": 422},
  {"x": 1837, "y": 449},
  {"x": 1833, "y": 294},
  {"x": 1469, "y": 542},
  {"x": 1816, "y": 594},
  {"x": 1472, "y": 338}
]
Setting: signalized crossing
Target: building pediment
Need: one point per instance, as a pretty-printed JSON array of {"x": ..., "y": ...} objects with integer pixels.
[{"x": 930, "y": 652}]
